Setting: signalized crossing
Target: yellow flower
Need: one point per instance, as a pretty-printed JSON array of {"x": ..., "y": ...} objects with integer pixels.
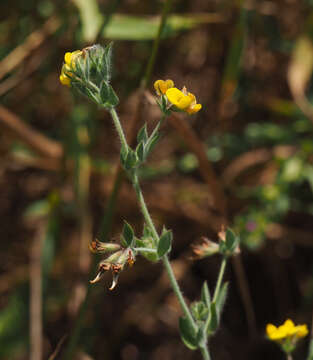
[
  {"x": 183, "y": 100},
  {"x": 162, "y": 86},
  {"x": 68, "y": 66},
  {"x": 287, "y": 331},
  {"x": 70, "y": 57}
]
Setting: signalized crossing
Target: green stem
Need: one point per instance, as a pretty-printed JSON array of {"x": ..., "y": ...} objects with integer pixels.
[
  {"x": 178, "y": 292},
  {"x": 217, "y": 289},
  {"x": 220, "y": 278},
  {"x": 165, "y": 260},
  {"x": 150, "y": 223},
  {"x": 118, "y": 128},
  {"x": 205, "y": 353},
  {"x": 146, "y": 250},
  {"x": 165, "y": 10}
]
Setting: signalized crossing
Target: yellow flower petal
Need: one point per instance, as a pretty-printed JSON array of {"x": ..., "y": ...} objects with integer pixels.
[
  {"x": 169, "y": 83},
  {"x": 270, "y": 329},
  {"x": 162, "y": 86},
  {"x": 302, "y": 331},
  {"x": 68, "y": 58},
  {"x": 64, "y": 80},
  {"x": 178, "y": 98},
  {"x": 193, "y": 109}
]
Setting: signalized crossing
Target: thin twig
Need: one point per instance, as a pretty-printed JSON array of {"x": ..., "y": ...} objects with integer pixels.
[
  {"x": 245, "y": 294},
  {"x": 34, "y": 40},
  {"x": 196, "y": 145},
  {"x": 29, "y": 135}
]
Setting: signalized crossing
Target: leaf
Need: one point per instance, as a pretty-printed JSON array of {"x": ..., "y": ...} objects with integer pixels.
[
  {"x": 188, "y": 333},
  {"x": 113, "y": 100},
  {"x": 142, "y": 135},
  {"x": 151, "y": 144},
  {"x": 205, "y": 294},
  {"x": 214, "y": 321},
  {"x": 140, "y": 151},
  {"x": 165, "y": 243},
  {"x": 108, "y": 60},
  {"x": 199, "y": 311},
  {"x": 147, "y": 243},
  {"x": 131, "y": 160},
  {"x": 37, "y": 209},
  {"x": 128, "y": 27},
  {"x": 230, "y": 238},
  {"x": 128, "y": 233},
  {"x": 104, "y": 91},
  {"x": 91, "y": 18},
  {"x": 147, "y": 231},
  {"x": 221, "y": 299}
]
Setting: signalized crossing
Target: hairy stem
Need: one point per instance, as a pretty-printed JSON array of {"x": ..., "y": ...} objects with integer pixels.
[
  {"x": 150, "y": 223},
  {"x": 118, "y": 127},
  {"x": 220, "y": 278},
  {"x": 217, "y": 288}
]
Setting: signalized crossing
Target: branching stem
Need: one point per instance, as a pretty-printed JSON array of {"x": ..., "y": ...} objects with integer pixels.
[{"x": 150, "y": 223}]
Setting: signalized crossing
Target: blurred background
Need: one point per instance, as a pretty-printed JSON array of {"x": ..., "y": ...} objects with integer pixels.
[{"x": 245, "y": 160}]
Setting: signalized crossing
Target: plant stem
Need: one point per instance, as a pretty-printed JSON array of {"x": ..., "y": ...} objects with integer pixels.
[
  {"x": 289, "y": 356},
  {"x": 145, "y": 250},
  {"x": 118, "y": 128},
  {"x": 178, "y": 292},
  {"x": 165, "y": 260},
  {"x": 220, "y": 278},
  {"x": 150, "y": 223},
  {"x": 150, "y": 65},
  {"x": 205, "y": 353},
  {"x": 217, "y": 289}
]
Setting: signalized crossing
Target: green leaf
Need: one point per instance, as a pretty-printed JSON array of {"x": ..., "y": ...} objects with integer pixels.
[
  {"x": 205, "y": 294},
  {"x": 128, "y": 233},
  {"x": 147, "y": 232},
  {"x": 113, "y": 100},
  {"x": 131, "y": 160},
  {"x": 38, "y": 209},
  {"x": 104, "y": 91},
  {"x": 199, "y": 311},
  {"x": 107, "y": 58},
  {"x": 214, "y": 321},
  {"x": 165, "y": 243},
  {"x": 128, "y": 27},
  {"x": 230, "y": 238},
  {"x": 91, "y": 18},
  {"x": 230, "y": 244},
  {"x": 140, "y": 151},
  {"x": 151, "y": 144},
  {"x": 142, "y": 135},
  {"x": 188, "y": 334},
  {"x": 221, "y": 298},
  {"x": 147, "y": 242}
]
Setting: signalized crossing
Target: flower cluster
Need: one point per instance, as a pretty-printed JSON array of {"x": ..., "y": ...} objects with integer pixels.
[
  {"x": 115, "y": 263},
  {"x": 286, "y": 334},
  {"x": 175, "y": 99},
  {"x": 69, "y": 66},
  {"x": 287, "y": 330},
  {"x": 89, "y": 72},
  {"x": 228, "y": 245}
]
